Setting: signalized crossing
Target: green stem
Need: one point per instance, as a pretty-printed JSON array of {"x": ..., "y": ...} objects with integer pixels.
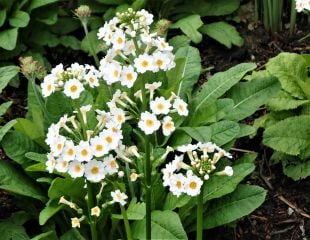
[
  {"x": 131, "y": 190},
  {"x": 199, "y": 231},
  {"x": 126, "y": 222},
  {"x": 293, "y": 17},
  {"x": 90, "y": 204},
  {"x": 91, "y": 47},
  {"x": 147, "y": 170}
]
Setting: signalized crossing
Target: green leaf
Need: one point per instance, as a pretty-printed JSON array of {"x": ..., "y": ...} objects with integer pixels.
[
  {"x": 71, "y": 42},
  {"x": 200, "y": 134},
  {"x": 42, "y": 158},
  {"x": 2, "y": 17},
  {"x": 240, "y": 203},
  {"x": 289, "y": 68},
  {"x": 224, "y": 33},
  {"x": 245, "y": 130},
  {"x": 4, "y": 129},
  {"x": 179, "y": 41},
  {"x": 209, "y": 7},
  {"x": 15, "y": 181},
  {"x": 94, "y": 41},
  {"x": 19, "y": 19},
  {"x": 22, "y": 145},
  {"x": 6, "y": 74},
  {"x": 8, "y": 38},
  {"x": 51, "y": 208},
  {"x": 48, "y": 15},
  {"x": 284, "y": 101},
  {"x": 212, "y": 112},
  {"x": 172, "y": 202},
  {"x": 135, "y": 211},
  {"x": 50, "y": 235},
  {"x": 30, "y": 129},
  {"x": 4, "y": 107},
  {"x": 190, "y": 71},
  {"x": 57, "y": 105},
  {"x": 165, "y": 225},
  {"x": 290, "y": 136},
  {"x": 219, "y": 84},
  {"x": 68, "y": 187},
  {"x": 65, "y": 25},
  {"x": 189, "y": 26},
  {"x": 218, "y": 186},
  {"x": 297, "y": 170},
  {"x": 72, "y": 234},
  {"x": 10, "y": 231},
  {"x": 45, "y": 37},
  {"x": 39, "y": 3},
  {"x": 247, "y": 158},
  {"x": 249, "y": 96},
  {"x": 112, "y": 2},
  {"x": 224, "y": 131}
]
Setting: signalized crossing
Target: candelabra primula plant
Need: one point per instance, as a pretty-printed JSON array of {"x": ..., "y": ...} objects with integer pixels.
[{"x": 109, "y": 139}]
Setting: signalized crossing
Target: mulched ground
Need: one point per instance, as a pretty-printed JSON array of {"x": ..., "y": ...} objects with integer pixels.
[{"x": 285, "y": 213}]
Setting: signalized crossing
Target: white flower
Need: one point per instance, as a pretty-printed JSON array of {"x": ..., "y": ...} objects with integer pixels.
[
  {"x": 128, "y": 76},
  {"x": 50, "y": 163},
  {"x": 84, "y": 110},
  {"x": 92, "y": 80},
  {"x": 302, "y": 4},
  {"x": 57, "y": 145},
  {"x": 143, "y": 63},
  {"x": 95, "y": 211},
  {"x": 168, "y": 126},
  {"x": 52, "y": 134},
  {"x": 73, "y": 88},
  {"x": 160, "y": 61},
  {"x": 160, "y": 106},
  {"x": 133, "y": 177},
  {"x": 83, "y": 152},
  {"x": 110, "y": 138},
  {"x": 94, "y": 171},
  {"x": 180, "y": 106},
  {"x": 118, "y": 40},
  {"x": 75, "y": 222},
  {"x": 48, "y": 86},
  {"x": 145, "y": 17},
  {"x": 163, "y": 45},
  {"x": 178, "y": 162},
  {"x": 208, "y": 147},
  {"x": 193, "y": 185},
  {"x": 229, "y": 171},
  {"x": 98, "y": 147},
  {"x": 177, "y": 182},
  {"x": 118, "y": 116},
  {"x": 62, "y": 165},
  {"x": 76, "y": 169},
  {"x": 119, "y": 197},
  {"x": 110, "y": 164},
  {"x": 129, "y": 48},
  {"x": 168, "y": 171},
  {"x": 187, "y": 148},
  {"x": 111, "y": 72},
  {"x": 148, "y": 123}
]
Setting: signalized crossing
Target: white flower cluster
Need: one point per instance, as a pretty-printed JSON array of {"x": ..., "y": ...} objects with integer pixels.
[
  {"x": 200, "y": 168},
  {"x": 302, "y": 5},
  {"x": 71, "y": 80},
  {"x": 134, "y": 49},
  {"x": 90, "y": 157},
  {"x": 160, "y": 108}
]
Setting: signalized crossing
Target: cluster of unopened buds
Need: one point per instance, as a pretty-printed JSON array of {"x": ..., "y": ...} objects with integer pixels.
[
  {"x": 31, "y": 68},
  {"x": 203, "y": 158},
  {"x": 134, "y": 48},
  {"x": 71, "y": 81},
  {"x": 302, "y": 5}
]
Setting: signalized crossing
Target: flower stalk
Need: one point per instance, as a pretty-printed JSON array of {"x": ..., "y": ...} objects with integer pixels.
[
  {"x": 199, "y": 231},
  {"x": 126, "y": 222}
]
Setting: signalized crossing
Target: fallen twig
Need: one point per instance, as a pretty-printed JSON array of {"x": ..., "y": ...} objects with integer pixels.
[{"x": 298, "y": 210}]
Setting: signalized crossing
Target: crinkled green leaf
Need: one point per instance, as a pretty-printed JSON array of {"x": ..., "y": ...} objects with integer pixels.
[
  {"x": 2, "y": 16},
  {"x": 289, "y": 68},
  {"x": 219, "y": 84},
  {"x": 240, "y": 203},
  {"x": 39, "y": 3},
  {"x": 51, "y": 208},
  {"x": 224, "y": 33},
  {"x": 135, "y": 211},
  {"x": 179, "y": 41},
  {"x": 284, "y": 101},
  {"x": 200, "y": 134},
  {"x": 249, "y": 96},
  {"x": 96, "y": 44},
  {"x": 165, "y": 225},
  {"x": 11, "y": 231},
  {"x": 290, "y": 136},
  {"x": 70, "y": 41},
  {"x": 4, "y": 129},
  {"x": 189, "y": 26},
  {"x": 224, "y": 131},
  {"x": 172, "y": 202},
  {"x": 4, "y": 107},
  {"x": 297, "y": 170},
  {"x": 19, "y": 19},
  {"x": 50, "y": 235}
]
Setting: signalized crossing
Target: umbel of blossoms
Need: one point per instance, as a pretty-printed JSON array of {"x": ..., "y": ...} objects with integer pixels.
[
  {"x": 302, "y": 5},
  {"x": 203, "y": 158}
]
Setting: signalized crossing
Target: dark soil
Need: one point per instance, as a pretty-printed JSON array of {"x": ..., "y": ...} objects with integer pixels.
[{"x": 285, "y": 215}]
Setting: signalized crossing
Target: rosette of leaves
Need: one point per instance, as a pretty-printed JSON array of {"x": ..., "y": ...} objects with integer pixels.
[
  {"x": 287, "y": 123},
  {"x": 216, "y": 109}
]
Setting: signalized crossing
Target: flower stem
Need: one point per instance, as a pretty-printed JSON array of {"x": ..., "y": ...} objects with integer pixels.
[
  {"x": 126, "y": 222},
  {"x": 91, "y": 48},
  {"x": 90, "y": 204},
  {"x": 293, "y": 17},
  {"x": 147, "y": 170},
  {"x": 199, "y": 231}
]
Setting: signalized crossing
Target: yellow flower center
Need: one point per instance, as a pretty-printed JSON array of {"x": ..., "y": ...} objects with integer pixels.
[
  {"x": 144, "y": 63},
  {"x": 119, "y": 40},
  {"x": 73, "y": 88},
  {"x": 178, "y": 184},
  {"x": 159, "y": 62},
  {"x": 149, "y": 123},
  {"x": 109, "y": 139},
  {"x": 70, "y": 152},
  {"x": 193, "y": 185},
  {"x": 84, "y": 152},
  {"x": 116, "y": 73},
  {"x": 94, "y": 170},
  {"x": 129, "y": 76},
  {"x": 99, "y": 147}
]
